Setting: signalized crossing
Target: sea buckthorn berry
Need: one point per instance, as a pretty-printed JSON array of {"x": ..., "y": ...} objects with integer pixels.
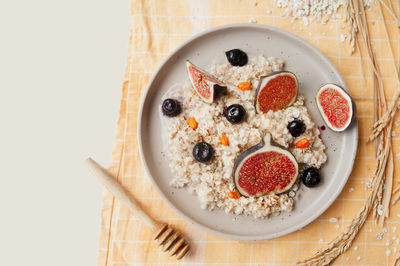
[
  {"x": 192, "y": 123},
  {"x": 233, "y": 195},
  {"x": 244, "y": 86},
  {"x": 224, "y": 141},
  {"x": 303, "y": 143}
]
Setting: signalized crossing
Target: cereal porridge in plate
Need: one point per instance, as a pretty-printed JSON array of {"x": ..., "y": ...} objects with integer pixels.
[{"x": 193, "y": 121}]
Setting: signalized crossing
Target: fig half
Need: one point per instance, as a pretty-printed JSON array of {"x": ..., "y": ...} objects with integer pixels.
[
  {"x": 206, "y": 85},
  {"x": 264, "y": 169},
  {"x": 276, "y": 91},
  {"x": 336, "y": 106}
]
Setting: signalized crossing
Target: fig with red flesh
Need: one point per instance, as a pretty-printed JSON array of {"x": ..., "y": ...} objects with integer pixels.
[
  {"x": 276, "y": 91},
  {"x": 336, "y": 107},
  {"x": 264, "y": 169},
  {"x": 206, "y": 85}
]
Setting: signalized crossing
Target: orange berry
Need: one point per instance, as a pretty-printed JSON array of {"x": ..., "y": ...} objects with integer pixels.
[
  {"x": 192, "y": 123},
  {"x": 303, "y": 143},
  {"x": 233, "y": 195},
  {"x": 244, "y": 86},
  {"x": 224, "y": 141}
]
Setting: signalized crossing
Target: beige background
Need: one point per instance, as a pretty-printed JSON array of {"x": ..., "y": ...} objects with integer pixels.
[{"x": 61, "y": 69}]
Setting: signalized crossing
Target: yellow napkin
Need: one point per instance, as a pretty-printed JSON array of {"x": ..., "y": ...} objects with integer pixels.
[{"x": 158, "y": 26}]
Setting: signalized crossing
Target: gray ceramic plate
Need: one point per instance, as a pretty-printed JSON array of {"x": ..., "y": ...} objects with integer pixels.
[{"x": 312, "y": 68}]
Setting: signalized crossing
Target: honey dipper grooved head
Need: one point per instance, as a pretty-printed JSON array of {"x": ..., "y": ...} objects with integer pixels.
[{"x": 171, "y": 241}]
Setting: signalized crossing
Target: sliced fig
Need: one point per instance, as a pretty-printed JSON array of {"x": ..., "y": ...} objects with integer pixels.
[
  {"x": 264, "y": 169},
  {"x": 206, "y": 85},
  {"x": 336, "y": 106},
  {"x": 276, "y": 91}
]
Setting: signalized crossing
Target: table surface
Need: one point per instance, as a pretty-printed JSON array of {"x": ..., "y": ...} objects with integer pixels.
[{"x": 62, "y": 66}]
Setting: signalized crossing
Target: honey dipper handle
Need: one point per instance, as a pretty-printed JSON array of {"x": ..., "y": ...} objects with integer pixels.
[{"x": 121, "y": 193}]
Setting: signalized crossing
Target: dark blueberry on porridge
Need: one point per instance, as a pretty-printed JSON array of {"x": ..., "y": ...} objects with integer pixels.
[
  {"x": 171, "y": 107},
  {"x": 202, "y": 152},
  {"x": 236, "y": 57},
  {"x": 311, "y": 177},
  {"x": 235, "y": 113},
  {"x": 296, "y": 127}
]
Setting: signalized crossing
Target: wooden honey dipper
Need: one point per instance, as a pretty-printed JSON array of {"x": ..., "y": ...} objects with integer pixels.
[{"x": 166, "y": 237}]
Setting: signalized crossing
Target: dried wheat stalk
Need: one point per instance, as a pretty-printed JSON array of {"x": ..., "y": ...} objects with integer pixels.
[
  {"x": 391, "y": 12},
  {"x": 379, "y": 99},
  {"x": 349, "y": 17},
  {"x": 326, "y": 255},
  {"x": 389, "y": 170},
  {"x": 397, "y": 262},
  {"x": 389, "y": 115},
  {"x": 396, "y": 198},
  {"x": 383, "y": 171}
]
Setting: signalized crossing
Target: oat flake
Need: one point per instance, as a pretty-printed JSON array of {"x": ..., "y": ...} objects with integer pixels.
[{"x": 310, "y": 10}]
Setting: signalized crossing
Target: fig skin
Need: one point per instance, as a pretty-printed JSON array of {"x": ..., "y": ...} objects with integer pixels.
[
  {"x": 267, "y": 144},
  {"x": 219, "y": 91},
  {"x": 352, "y": 105},
  {"x": 269, "y": 76}
]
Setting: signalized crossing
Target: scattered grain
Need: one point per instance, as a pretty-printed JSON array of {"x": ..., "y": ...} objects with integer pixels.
[
  {"x": 253, "y": 20},
  {"x": 333, "y": 220}
]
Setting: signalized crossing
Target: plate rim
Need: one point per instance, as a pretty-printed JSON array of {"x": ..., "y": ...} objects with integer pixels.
[{"x": 145, "y": 95}]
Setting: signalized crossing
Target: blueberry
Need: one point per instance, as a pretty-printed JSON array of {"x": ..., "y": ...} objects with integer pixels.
[
  {"x": 171, "y": 107},
  {"x": 236, "y": 57},
  {"x": 202, "y": 152},
  {"x": 311, "y": 177},
  {"x": 235, "y": 113},
  {"x": 296, "y": 127}
]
